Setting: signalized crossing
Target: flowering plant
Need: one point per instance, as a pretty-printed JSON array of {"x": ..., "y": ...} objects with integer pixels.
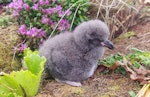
[
  {"x": 39, "y": 18},
  {"x": 78, "y": 11}
]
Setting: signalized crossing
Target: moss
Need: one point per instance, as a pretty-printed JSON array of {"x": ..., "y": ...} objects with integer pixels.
[
  {"x": 69, "y": 91},
  {"x": 8, "y": 39}
]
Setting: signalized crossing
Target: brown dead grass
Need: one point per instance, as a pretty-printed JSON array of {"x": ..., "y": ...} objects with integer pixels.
[{"x": 8, "y": 39}]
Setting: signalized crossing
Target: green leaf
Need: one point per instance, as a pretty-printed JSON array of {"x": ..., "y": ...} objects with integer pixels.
[
  {"x": 9, "y": 95},
  {"x": 34, "y": 62},
  {"x": 79, "y": 12},
  {"x": 139, "y": 57},
  {"x": 110, "y": 60},
  {"x": 24, "y": 82},
  {"x": 38, "y": 14},
  {"x": 26, "y": 79},
  {"x": 9, "y": 85},
  {"x": 27, "y": 51},
  {"x": 132, "y": 93},
  {"x": 35, "y": 19},
  {"x": 81, "y": 18},
  {"x": 121, "y": 70}
]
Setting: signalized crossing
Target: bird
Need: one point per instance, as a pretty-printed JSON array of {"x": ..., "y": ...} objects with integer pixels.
[{"x": 73, "y": 56}]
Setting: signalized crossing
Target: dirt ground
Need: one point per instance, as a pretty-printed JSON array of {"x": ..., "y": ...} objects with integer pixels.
[{"x": 100, "y": 85}]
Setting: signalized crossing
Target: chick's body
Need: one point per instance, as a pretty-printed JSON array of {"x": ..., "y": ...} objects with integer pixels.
[{"x": 73, "y": 56}]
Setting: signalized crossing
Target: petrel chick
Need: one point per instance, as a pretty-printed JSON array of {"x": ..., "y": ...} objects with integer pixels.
[{"x": 73, "y": 56}]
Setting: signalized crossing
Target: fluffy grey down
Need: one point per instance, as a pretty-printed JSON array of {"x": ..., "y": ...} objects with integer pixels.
[{"x": 73, "y": 56}]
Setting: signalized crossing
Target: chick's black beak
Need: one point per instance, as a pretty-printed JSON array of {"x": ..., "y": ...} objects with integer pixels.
[{"x": 108, "y": 44}]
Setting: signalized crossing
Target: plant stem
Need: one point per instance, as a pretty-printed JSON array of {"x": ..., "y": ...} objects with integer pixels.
[
  {"x": 74, "y": 17},
  {"x": 99, "y": 9}
]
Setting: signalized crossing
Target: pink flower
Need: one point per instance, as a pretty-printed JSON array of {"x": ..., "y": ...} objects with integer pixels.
[
  {"x": 61, "y": 13},
  {"x": 23, "y": 29},
  {"x": 47, "y": 2},
  {"x": 45, "y": 19},
  {"x": 28, "y": 33},
  {"x": 35, "y": 7},
  {"x": 15, "y": 13},
  {"x": 34, "y": 1},
  {"x": 16, "y": 4},
  {"x": 33, "y": 32},
  {"x": 41, "y": 33},
  {"x": 41, "y": 2},
  {"x": 58, "y": 8},
  {"x": 63, "y": 25},
  {"x": 26, "y": 6},
  {"x": 22, "y": 47},
  {"x": 50, "y": 22},
  {"x": 48, "y": 11}
]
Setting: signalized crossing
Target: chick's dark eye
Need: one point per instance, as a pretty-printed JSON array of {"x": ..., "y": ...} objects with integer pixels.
[
  {"x": 94, "y": 41},
  {"x": 97, "y": 40}
]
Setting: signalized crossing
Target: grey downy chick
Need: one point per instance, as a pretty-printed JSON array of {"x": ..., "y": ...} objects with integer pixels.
[{"x": 73, "y": 56}]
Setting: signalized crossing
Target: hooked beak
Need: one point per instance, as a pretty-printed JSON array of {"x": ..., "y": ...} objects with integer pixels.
[{"x": 107, "y": 44}]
